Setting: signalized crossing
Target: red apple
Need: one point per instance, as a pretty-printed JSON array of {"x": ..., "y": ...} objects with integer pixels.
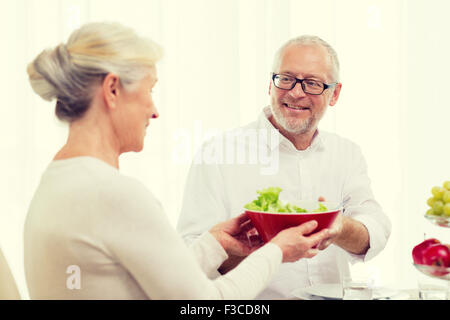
[
  {"x": 437, "y": 255},
  {"x": 419, "y": 250}
]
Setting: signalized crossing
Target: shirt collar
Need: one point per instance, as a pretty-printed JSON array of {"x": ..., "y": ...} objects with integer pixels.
[{"x": 264, "y": 123}]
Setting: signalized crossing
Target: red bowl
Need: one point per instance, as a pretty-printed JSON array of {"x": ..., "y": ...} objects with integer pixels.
[{"x": 268, "y": 224}]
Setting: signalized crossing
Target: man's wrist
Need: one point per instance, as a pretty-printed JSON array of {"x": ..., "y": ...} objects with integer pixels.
[{"x": 353, "y": 236}]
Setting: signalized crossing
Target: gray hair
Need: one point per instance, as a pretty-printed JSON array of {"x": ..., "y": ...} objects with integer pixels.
[
  {"x": 308, "y": 40},
  {"x": 69, "y": 72}
]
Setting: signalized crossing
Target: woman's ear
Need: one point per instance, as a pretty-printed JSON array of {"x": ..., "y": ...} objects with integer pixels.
[{"x": 110, "y": 90}]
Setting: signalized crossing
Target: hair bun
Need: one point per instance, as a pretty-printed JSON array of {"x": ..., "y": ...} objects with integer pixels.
[
  {"x": 53, "y": 76},
  {"x": 46, "y": 72}
]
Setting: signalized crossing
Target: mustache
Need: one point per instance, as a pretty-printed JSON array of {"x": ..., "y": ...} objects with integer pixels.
[{"x": 297, "y": 102}]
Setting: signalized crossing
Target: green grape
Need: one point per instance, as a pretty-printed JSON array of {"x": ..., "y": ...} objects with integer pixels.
[
  {"x": 446, "y": 185},
  {"x": 431, "y": 201},
  {"x": 446, "y": 209},
  {"x": 437, "y": 192},
  {"x": 446, "y": 196},
  {"x": 430, "y": 212},
  {"x": 438, "y": 207}
]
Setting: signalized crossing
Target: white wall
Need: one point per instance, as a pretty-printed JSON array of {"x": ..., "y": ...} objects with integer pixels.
[{"x": 394, "y": 62}]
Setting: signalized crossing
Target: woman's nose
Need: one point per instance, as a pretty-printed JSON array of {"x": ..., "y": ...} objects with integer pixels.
[{"x": 155, "y": 114}]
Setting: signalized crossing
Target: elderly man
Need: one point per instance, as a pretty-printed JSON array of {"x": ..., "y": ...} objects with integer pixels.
[{"x": 310, "y": 164}]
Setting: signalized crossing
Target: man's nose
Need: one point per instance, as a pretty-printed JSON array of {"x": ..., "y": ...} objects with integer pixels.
[{"x": 297, "y": 90}]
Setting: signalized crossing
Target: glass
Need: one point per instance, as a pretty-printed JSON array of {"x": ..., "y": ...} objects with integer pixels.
[
  {"x": 359, "y": 283},
  {"x": 432, "y": 288},
  {"x": 310, "y": 86},
  {"x": 357, "y": 288}
]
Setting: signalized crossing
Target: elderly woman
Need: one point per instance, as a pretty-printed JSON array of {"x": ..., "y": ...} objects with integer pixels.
[{"x": 87, "y": 217}]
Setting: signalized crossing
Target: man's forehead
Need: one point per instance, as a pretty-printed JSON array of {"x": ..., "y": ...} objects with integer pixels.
[
  {"x": 309, "y": 60},
  {"x": 313, "y": 53}
]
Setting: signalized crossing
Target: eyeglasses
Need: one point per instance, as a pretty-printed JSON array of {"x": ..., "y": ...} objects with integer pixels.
[{"x": 309, "y": 86}]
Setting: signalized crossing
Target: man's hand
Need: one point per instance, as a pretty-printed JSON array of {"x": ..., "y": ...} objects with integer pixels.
[
  {"x": 347, "y": 233},
  {"x": 334, "y": 231}
]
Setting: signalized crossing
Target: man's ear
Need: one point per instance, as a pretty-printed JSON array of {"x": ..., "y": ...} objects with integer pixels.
[
  {"x": 335, "y": 96},
  {"x": 110, "y": 89},
  {"x": 270, "y": 87}
]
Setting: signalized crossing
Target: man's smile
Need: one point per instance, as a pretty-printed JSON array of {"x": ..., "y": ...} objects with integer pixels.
[{"x": 294, "y": 107}]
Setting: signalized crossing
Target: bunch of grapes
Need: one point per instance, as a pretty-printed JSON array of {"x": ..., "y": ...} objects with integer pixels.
[{"x": 440, "y": 201}]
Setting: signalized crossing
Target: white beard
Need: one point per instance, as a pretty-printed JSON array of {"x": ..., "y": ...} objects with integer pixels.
[{"x": 294, "y": 126}]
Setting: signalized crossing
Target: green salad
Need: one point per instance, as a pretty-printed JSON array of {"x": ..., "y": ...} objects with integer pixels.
[{"x": 269, "y": 201}]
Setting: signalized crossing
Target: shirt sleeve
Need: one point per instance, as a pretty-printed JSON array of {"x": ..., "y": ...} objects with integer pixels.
[
  {"x": 209, "y": 254},
  {"x": 139, "y": 237},
  {"x": 363, "y": 207}
]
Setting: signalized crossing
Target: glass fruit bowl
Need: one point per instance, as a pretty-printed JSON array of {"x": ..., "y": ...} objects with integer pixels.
[
  {"x": 441, "y": 221},
  {"x": 434, "y": 271}
]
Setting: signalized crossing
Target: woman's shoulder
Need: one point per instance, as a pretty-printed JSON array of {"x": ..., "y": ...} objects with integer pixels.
[
  {"x": 128, "y": 192},
  {"x": 122, "y": 186},
  {"x": 91, "y": 179}
]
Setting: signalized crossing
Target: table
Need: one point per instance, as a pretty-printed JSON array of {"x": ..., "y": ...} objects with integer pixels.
[{"x": 405, "y": 294}]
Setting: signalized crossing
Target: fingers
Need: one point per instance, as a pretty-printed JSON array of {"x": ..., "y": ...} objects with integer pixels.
[
  {"x": 324, "y": 244},
  {"x": 254, "y": 240},
  {"x": 235, "y": 225},
  {"x": 239, "y": 248},
  {"x": 307, "y": 227},
  {"x": 317, "y": 237},
  {"x": 242, "y": 218},
  {"x": 247, "y": 226},
  {"x": 311, "y": 253}
]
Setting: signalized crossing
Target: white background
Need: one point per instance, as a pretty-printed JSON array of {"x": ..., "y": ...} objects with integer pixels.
[{"x": 394, "y": 103}]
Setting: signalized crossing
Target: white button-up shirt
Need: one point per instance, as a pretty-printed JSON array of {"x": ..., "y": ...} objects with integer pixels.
[{"x": 229, "y": 169}]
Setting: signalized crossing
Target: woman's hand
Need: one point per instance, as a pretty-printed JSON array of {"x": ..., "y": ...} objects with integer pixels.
[
  {"x": 232, "y": 236},
  {"x": 298, "y": 242}
]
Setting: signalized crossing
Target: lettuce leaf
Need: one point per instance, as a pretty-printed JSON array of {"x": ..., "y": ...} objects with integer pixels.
[{"x": 268, "y": 201}]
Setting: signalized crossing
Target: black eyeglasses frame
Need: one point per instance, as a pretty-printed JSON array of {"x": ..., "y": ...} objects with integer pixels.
[{"x": 297, "y": 80}]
